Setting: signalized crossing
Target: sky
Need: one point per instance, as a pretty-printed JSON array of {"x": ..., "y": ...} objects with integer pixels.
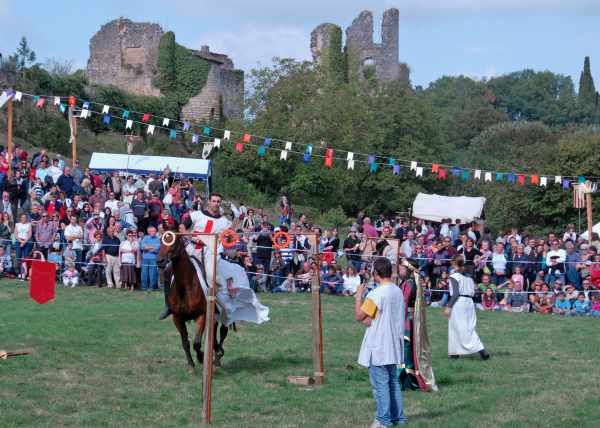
[{"x": 477, "y": 38}]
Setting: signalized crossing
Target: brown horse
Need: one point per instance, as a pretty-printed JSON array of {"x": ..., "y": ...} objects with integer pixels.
[{"x": 186, "y": 297}]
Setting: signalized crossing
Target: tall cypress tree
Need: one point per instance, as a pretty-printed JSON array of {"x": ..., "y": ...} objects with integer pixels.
[{"x": 587, "y": 90}]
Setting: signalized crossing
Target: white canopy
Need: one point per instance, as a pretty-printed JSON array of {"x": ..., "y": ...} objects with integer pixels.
[
  {"x": 595, "y": 229},
  {"x": 437, "y": 207},
  {"x": 136, "y": 164}
]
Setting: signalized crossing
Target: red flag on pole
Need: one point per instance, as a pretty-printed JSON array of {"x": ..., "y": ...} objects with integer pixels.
[{"x": 43, "y": 281}]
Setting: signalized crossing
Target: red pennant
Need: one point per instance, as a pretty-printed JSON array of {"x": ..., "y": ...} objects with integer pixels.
[
  {"x": 72, "y": 101},
  {"x": 247, "y": 138},
  {"x": 535, "y": 179},
  {"x": 521, "y": 179},
  {"x": 239, "y": 147},
  {"x": 43, "y": 281},
  {"x": 146, "y": 117},
  {"x": 328, "y": 162},
  {"x": 441, "y": 173},
  {"x": 435, "y": 168},
  {"x": 40, "y": 102}
]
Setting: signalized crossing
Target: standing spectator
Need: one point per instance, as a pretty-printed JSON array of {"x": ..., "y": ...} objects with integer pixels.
[
  {"x": 150, "y": 246},
  {"x": 66, "y": 183},
  {"x": 94, "y": 257},
  {"x": 285, "y": 211},
  {"x": 128, "y": 255},
  {"x": 264, "y": 246},
  {"x": 7, "y": 205},
  {"x": 499, "y": 264},
  {"x": 572, "y": 260},
  {"x": 110, "y": 249},
  {"x": 23, "y": 234},
  {"x": 6, "y": 233},
  {"x": 44, "y": 234},
  {"x": 351, "y": 249},
  {"x": 138, "y": 206},
  {"x": 97, "y": 198},
  {"x": 113, "y": 204},
  {"x": 55, "y": 171},
  {"x": 74, "y": 234},
  {"x": 368, "y": 229},
  {"x": 77, "y": 173}
]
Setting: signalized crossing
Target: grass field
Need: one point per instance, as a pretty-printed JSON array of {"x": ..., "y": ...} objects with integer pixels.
[{"x": 100, "y": 358}]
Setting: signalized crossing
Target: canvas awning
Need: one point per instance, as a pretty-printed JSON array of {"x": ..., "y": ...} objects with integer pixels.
[
  {"x": 595, "y": 229},
  {"x": 199, "y": 169},
  {"x": 437, "y": 207}
]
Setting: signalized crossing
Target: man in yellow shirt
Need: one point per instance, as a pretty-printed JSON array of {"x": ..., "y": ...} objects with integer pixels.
[{"x": 382, "y": 347}]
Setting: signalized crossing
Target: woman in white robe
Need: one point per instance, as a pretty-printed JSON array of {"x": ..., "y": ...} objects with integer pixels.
[{"x": 462, "y": 337}]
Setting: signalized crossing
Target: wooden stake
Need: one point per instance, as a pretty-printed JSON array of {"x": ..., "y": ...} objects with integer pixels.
[
  {"x": 317, "y": 326},
  {"x": 588, "y": 203},
  {"x": 73, "y": 135},
  {"x": 207, "y": 369},
  {"x": 9, "y": 136}
]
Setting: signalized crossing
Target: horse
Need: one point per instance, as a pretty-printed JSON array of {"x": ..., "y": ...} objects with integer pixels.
[{"x": 186, "y": 297}]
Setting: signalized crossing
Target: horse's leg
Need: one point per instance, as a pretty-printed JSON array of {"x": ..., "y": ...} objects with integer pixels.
[
  {"x": 200, "y": 324},
  {"x": 185, "y": 342},
  {"x": 219, "y": 346}
]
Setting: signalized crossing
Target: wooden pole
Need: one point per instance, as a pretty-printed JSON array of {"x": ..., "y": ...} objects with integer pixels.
[
  {"x": 317, "y": 326},
  {"x": 73, "y": 136},
  {"x": 207, "y": 369},
  {"x": 9, "y": 136},
  {"x": 588, "y": 204}
]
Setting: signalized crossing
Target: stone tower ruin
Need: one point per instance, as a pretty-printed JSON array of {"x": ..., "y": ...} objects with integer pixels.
[
  {"x": 125, "y": 54},
  {"x": 362, "y": 54}
]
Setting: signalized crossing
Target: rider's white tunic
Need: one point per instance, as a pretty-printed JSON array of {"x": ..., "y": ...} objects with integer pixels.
[{"x": 244, "y": 306}]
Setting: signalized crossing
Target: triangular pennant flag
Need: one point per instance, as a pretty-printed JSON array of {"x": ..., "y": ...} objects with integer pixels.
[
  {"x": 465, "y": 174},
  {"x": 306, "y": 157},
  {"x": 511, "y": 177},
  {"x": 35, "y": 99},
  {"x": 146, "y": 117},
  {"x": 329, "y": 162},
  {"x": 419, "y": 172},
  {"x": 455, "y": 172},
  {"x": 283, "y": 155},
  {"x": 435, "y": 168},
  {"x": 371, "y": 159},
  {"x": 106, "y": 119},
  {"x": 246, "y": 138},
  {"x": 308, "y": 149},
  {"x": 172, "y": 134},
  {"x": 544, "y": 181},
  {"x": 125, "y": 114},
  {"x": 413, "y": 166},
  {"x": 72, "y": 101},
  {"x": 441, "y": 173},
  {"x": 40, "y": 102},
  {"x": 18, "y": 96},
  {"x": 85, "y": 113},
  {"x": 488, "y": 176},
  {"x": 62, "y": 107},
  {"x": 557, "y": 179},
  {"x": 350, "y": 156},
  {"x": 165, "y": 121},
  {"x": 392, "y": 161},
  {"x": 206, "y": 150},
  {"x": 374, "y": 167},
  {"x": 217, "y": 143},
  {"x": 499, "y": 176},
  {"x": 267, "y": 142},
  {"x": 150, "y": 130},
  {"x": 581, "y": 180},
  {"x": 535, "y": 179},
  {"x": 105, "y": 109},
  {"x": 227, "y": 135},
  {"x": 521, "y": 179},
  {"x": 478, "y": 174},
  {"x": 206, "y": 131},
  {"x": 239, "y": 147},
  {"x": 128, "y": 124},
  {"x": 566, "y": 184},
  {"x": 56, "y": 101},
  {"x": 288, "y": 146},
  {"x": 186, "y": 126},
  {"x": 261, "y": 151},
  {"x": 329, "y": 153},
  {"x": 195, "y": 138},
  {"x": 86, "y": 105},
  {"x": 350, "y": 164},
  {"x": 396, "y": 169}
]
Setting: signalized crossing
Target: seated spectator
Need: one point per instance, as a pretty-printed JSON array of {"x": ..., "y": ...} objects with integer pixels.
[
  {"x": 351, "y": 281},
  {"x": 69, "y": 256},
  {"x": 287, "y": 286},
  {"x": 595, "y": 308},
  {"x": 586, "y": 285},
  {"x": 571, "y": 293},
  {"x": 517, "y": 278},
  {"x": 517, "y": 301},
  {"x": 6, "y": 266},
  {"x": 439, "y": 295},
  {"x": 304, "y": 275},
  {"x": 332, "y": 281},
  {"x": 581, "y": 308},
  {"x": 488, "y": 301},
  {"x": 561, "y": 306},
  {"x": 70, "y": 277},
  {"x": 484, "y": 285},
  {"x": 261, "y": 278},
  {"x": 555, "y": 270}
]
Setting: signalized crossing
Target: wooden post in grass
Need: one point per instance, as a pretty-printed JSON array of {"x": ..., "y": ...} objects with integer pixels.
[
  {"x": 207, "y": 366},
  {"x": 317, "y": 326},
  {"x": 9, "y": 134},
  {"x": 588, "y": 204},
  {"x": 73, "y": 125}
]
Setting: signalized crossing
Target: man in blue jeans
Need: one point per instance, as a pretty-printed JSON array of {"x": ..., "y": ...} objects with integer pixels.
[
  {"x": 382, "y": 347},
  {"x": 150, "y": 247}
]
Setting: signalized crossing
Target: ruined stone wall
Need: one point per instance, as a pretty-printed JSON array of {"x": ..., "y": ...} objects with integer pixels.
[
  {"x": 320, "y": 40},
  {"x": 124, "y": 53}
]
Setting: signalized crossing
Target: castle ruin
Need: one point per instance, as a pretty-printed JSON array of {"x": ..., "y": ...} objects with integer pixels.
[
  {"x": 125, "y": 54},
  {"x": 362, "y": 54}
]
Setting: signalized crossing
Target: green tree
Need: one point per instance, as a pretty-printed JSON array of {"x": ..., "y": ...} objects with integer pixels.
[
  {"x": 587, "y": 90},
  {"x": 24, "y": 56}
]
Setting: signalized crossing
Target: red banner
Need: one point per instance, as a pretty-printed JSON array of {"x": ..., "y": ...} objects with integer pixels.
[{"x": 43, "y": 281}]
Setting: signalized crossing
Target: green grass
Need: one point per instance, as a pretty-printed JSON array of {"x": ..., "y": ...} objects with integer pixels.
[{"x": 100, "y": 358}]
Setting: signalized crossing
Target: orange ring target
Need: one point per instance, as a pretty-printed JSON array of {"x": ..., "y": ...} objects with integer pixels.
[
  {"x": 229, "y": 238},
  {"x": 278, "y": 236}
]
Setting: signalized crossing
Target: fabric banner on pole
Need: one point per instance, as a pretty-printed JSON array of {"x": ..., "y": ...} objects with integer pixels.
[
  {"x": 43, "y": 281},
  {"x": 436, "y": 207}
]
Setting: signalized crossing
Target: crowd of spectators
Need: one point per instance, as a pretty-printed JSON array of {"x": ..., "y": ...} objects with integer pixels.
[{"x": 105, "y": 230}]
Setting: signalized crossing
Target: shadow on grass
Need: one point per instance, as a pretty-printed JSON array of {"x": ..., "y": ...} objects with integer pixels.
[
  {"x": 447, "y": 412},
  {"x": 253, "y": 364}
]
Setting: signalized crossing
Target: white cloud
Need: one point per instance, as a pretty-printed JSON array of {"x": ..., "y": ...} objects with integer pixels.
[{"x": 250, "y": 47}]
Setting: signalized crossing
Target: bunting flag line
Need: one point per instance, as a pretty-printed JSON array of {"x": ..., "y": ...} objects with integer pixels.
[
  {"x": 165, "y": 122},
  {"x": 105, "y": 109},
  {"x": 150, "y": 130}
]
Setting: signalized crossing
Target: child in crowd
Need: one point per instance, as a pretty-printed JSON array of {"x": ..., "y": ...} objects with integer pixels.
[
  {"x": 517, "y": 278},
  {"x": 488, "y": 301},
  {"x": 595, "y": 309},
  {"x": 70, "y": 277},
  {"x": 287, "y": 286},
  {"x": 581, "y": 308},
  {"x": 6, "y": 268},
  {"x": 571, "y": 293},
  {"x": 561, "y": 306}
]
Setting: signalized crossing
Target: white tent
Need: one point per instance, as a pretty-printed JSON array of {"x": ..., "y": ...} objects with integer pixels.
[
  {"x": 135, "y": 164},
  {"x": 595, "y": 229},
  {"x": 436, "y": 207}
]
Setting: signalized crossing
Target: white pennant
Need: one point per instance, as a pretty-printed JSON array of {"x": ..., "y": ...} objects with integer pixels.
[
  {"x": 56, "y": 101},
  {"x": 217, "y": 143},
  {"x": 557, "y": 179},
  {"x": 166, "y": 122},
  {"x": 413, "y": 166},
  {"x": 544, "y": 181},
  {"x": 85, "y": 113},
  {"x": 18, "y": 96},
  {"x": 488, "y": 176},
  {"x": 105, "y": 109},
  {"x": 283, "y": 155},
  {"x": 478, "y": 174},
  {"x": 150, "y": 130},
  {"x": 129, "y": 124},
  {"x": 226, "y": 135},
  {"x": 206, "y": 150},
  {"x": 288, "y": 146},
  {"x": 350, "y": 156},
  {"x": 419, "y": 171},
  {"x": 351, "y": 164}
]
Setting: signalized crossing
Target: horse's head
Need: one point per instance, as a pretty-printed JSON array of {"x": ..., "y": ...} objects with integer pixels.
[{"x": 170, "y": 249}]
